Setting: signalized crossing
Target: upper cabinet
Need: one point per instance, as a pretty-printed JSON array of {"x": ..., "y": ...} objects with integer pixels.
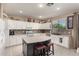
[
  {"x": 32, "y": 25},
  {"x": 13, "y": 24},
  {"x": 45, "y": 26}
]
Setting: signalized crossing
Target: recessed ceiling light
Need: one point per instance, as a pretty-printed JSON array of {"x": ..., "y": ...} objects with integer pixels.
[
  {"x": 40, "y": 5},
  {"x": 58, "y": 8},
  {"x": 20, "y": 11},
  {"x": 40, "y": 16}
]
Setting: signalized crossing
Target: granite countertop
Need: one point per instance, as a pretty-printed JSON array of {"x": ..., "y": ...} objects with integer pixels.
[
  {"x": 61, "y": 35},
  {"x": 36, "y": 39},
  {"x": 32, "y": 39}
]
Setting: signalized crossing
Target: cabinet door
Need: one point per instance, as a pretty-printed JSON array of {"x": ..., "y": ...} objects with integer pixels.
[
  {"x": 21, "y": 25},
  {"x": 45, "y": 26},
  {"x": 55, "y": 39},
  {"x": 12, "y": 41},
  {"x": 36, "y": 26},
  {"x": 19, "y": 40},
  {"x": 12, "y": 24},
  {"x": 61, "y": 40},
  {"x": 66, "y": 42}
]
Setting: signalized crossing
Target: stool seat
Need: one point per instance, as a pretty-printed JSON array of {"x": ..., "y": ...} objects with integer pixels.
[
  {"x": 38, "y": 47},
  {"x": 43, "y": 49}
]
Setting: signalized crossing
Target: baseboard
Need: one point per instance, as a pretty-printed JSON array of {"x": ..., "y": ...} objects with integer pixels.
[{"x": 13, "y": 45}]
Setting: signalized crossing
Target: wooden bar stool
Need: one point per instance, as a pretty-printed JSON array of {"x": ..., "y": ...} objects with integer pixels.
[
  {"x": 39, "y": 50},
  {"x": 49, "y": 49}
]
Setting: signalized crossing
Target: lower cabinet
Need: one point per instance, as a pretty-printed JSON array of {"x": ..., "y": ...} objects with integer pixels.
[
  {"x": 61, "y": 40},
  {"x": 15, "y": 40}
]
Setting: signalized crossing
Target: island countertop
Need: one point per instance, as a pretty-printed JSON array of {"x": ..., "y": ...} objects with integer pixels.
[{"x": 36, "y": 39}]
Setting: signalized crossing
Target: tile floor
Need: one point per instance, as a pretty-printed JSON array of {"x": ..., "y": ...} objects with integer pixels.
[{"x": 59, "y": 51}]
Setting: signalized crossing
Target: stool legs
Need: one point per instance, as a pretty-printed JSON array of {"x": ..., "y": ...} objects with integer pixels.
[
  {"x": 50, "y": 50},
  {"x": 53, "y": 49}
]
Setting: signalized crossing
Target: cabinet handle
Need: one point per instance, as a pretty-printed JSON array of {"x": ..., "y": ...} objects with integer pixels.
[{"x": 60, "y": 40}]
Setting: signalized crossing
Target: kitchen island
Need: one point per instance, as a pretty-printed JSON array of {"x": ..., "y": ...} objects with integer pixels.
[{"x": 29, "y": 42}]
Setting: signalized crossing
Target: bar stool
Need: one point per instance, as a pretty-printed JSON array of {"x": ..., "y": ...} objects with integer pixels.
[
  {"x": 39, "y": 49},
  {"x": 49, "y": 49}
]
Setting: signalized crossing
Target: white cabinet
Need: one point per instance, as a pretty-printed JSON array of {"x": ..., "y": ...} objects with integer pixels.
[
  {"x": 12, "y": 24},
  {"x": 15, "y": 40},
  {"x": 78, "y": 50},
  {"x": 11, "y": 41},
  {"x": 66, "y": 42},
  {"x": 45, "y": 26},
  {"x": 36, "y": 26},
  {"x": 61, "y": 40},
  {"x": 21, "y": 25},
  {"x": 32, "y": 25}
]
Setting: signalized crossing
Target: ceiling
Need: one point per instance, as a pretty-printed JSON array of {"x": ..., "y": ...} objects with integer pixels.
[{"x": 32, "y": 9}]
